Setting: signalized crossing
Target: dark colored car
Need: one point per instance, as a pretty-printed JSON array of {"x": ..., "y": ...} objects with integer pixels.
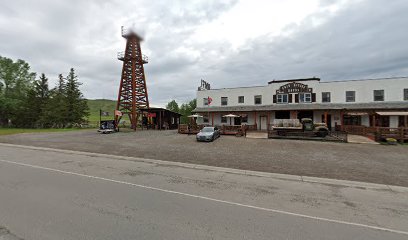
[{"x": 208, "y": 134}]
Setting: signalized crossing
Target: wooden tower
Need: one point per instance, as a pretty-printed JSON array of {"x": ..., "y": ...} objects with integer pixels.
[{"x": 132, "y": 95}]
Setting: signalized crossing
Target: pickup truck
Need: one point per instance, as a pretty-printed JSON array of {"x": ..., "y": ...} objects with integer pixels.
[{"x": 304, "y": 127}]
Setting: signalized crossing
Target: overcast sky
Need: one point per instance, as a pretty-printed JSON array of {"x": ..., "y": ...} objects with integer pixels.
[{"x": 228, "y": 43}]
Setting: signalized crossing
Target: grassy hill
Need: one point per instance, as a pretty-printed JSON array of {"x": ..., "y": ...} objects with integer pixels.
[{"x": 104, "y": 104}]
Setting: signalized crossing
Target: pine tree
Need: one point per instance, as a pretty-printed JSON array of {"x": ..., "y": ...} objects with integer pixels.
[
  {"x": 54, "y": 113},
  {"x": 37, "y": 99},
  {"x": 76, "y": 104},
  {"x": 173, "y": 106}
]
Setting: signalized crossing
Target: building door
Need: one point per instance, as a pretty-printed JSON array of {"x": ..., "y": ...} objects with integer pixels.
[
  {"x": 383, "y": 121},
  {"x": 237, "y": 121},
  {"x": 329, "y": 122},
  {"x": 262, "y": 122}
]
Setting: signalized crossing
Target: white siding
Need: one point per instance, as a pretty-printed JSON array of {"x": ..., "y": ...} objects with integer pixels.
[{"x": 393, "y": 91}]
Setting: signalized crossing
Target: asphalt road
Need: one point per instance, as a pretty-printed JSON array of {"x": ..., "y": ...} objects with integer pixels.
[{"x": 50, "y": 195}]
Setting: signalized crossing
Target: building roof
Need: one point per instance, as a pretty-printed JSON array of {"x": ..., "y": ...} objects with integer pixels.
[
  {"x": 156, "y": 109},
  {"x": 309, "y": 106},
  {"x": 309, "y": 79},
  {"x": 295, "y": 80}
]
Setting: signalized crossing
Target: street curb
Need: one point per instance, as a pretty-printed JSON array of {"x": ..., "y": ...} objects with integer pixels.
[{"x": 307, "y": 179}]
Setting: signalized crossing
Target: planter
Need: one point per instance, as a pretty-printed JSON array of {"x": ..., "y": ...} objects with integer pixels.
[{"x": 391, "y": 141}]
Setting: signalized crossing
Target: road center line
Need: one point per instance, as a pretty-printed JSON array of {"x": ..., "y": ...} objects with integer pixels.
[{"x": 211, "y": 199}]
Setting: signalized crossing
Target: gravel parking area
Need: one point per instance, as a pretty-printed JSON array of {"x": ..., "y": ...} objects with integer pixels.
[{"x": 358, "y": 162}]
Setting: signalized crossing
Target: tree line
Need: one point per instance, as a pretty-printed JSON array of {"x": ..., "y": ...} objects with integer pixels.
[
  {"x": 185, "y": 109},
  {"x": 29, "y": 102}
]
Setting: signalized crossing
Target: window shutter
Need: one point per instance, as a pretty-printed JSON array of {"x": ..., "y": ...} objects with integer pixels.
[
  {"x": 274, "y": 98},
  {"x": 290, "y": 98},
  {"x": 313, "y": 97},
  {"x": 296, "y": 98}
]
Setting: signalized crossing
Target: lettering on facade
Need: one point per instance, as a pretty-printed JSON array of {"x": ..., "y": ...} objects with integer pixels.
[{"x": 294, "y": 87}]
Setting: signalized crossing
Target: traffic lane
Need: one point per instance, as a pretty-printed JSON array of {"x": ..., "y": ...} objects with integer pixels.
[
  {"x": 41, "y": 204},
  {"x": 360, "y": 205},
  {"x": 374, "y": 207}
]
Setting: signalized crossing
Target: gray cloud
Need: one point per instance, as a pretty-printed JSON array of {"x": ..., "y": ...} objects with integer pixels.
[{"x": 363, "y": 39}]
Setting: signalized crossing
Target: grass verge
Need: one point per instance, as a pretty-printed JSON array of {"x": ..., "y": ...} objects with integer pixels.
[{"x": 10, "y": 131}]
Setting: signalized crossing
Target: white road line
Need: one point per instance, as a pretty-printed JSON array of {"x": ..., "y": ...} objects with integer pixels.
[{"x": 212, "y": 199}]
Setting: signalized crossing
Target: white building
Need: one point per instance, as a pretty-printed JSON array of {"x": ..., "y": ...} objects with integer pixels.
[{"x": 371, "y": 102}]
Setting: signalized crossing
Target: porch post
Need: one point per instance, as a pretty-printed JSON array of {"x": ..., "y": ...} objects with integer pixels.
[
  {"x": 325, "y": 118},
  {"x": 374, "y": 120},
  {"x": 212, "y": 119},
  {"x": 269, "y": 121},
  {"x": 255, "y": 120},
  {"x": 160, "y": 119},
  {"x": 342, "y": 119},
  {"x": 406, "y": 121}
]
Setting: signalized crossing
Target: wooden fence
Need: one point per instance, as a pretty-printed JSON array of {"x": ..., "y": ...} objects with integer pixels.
[{"x": 379, "y": 133}]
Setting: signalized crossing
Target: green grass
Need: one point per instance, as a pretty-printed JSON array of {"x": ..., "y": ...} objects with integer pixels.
[
  {"x": 104, "y": 104},
  {"x": 10, "y": 131}
]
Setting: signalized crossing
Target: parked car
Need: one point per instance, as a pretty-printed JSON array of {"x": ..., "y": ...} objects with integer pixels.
[{"x": 208, "y": 134}]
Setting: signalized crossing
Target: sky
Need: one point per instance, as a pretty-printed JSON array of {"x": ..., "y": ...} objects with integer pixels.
[{"x": 228, "y": 43}]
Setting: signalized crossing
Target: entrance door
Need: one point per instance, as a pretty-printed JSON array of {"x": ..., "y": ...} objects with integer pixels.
[
  {"x": 237, "y": 121},
  {"x": 262, "y": 122},
  {"x": 329, "y": 122}
]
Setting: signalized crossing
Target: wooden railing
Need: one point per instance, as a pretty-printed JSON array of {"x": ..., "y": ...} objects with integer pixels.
[
  {"x": 194, "y": 129},
  {"x": 400, "y": 134},
  {"x": 246, "y": 128},
  {"x": 380, "y": 133},
  {"x": 231, "y": 129}
]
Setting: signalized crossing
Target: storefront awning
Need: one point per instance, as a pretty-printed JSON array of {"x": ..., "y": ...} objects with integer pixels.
[
  {"x": 356, "y": 113},
  {"x": 393, "y": 113}
]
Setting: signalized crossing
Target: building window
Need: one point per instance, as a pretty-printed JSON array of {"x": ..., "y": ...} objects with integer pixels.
[
  {"x": 224, "y": 101},
  {"x": 241, "y": 99},
  {"x": 282, "y": 98},
  {"x": 258, "y": 99},
  {"x": 350, "y": 96},
  {"x": 205, "y": 101},
  {"x": 244, "y": 118},
  {"x": 205, "y": 119},
  {"x": 326, "y": 97},
  {"x": 305, "y": 97},
  {"x": 378, "y": 95},
  {"x": 223, "y": 119},
  {"x": 406, "y": 94},
  {"x": 352, "y": 120}
]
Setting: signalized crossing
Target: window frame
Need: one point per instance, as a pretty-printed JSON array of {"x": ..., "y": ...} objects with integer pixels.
[
  {"x": 354, "y": 96},
  {"x": 280, "y": 98},
  {"x": 206, "y": 119},
  {"x": 329, "y": 97},
  {"x": 302, "y": 97},
  {"x": 205, "y": 101},
  {"x": 244, "y": 118},
  {"x": 405, "y": 94},
  {"x": 258, "y": 97},
  {"x": 243, "y": 99},
  {"x": 226, "y": 102},
  {"x": 383, "y": 95}
]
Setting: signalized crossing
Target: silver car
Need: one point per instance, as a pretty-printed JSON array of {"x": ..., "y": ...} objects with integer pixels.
[{"x": 208, "y": 134}]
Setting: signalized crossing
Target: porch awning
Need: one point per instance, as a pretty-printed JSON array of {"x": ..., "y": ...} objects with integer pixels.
[
  {"x": 393, "y": 113},
  {"x": 356, "y": 113}
]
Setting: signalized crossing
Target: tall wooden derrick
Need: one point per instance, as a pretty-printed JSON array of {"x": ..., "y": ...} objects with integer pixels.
[{"x": 132, "y": 97}]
